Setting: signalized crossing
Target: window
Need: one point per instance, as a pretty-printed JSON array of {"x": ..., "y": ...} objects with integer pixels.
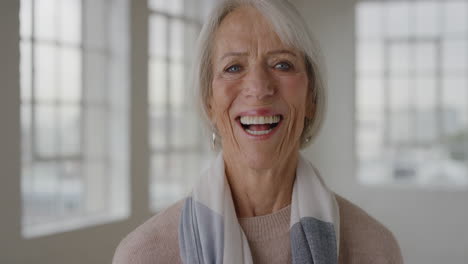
[
  {"x": 412, "y": 92},
  {"x": 178, "y": 146},
  {"x": 74, "y": 92}
]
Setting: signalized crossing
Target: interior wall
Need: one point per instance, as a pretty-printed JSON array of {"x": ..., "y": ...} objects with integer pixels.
[{"x": 430, "y": 225}]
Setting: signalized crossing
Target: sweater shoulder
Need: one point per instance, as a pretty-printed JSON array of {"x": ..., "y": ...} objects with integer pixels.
[
  {"x": 363, "y": 239},
  {"x": 155, "y": 241}
]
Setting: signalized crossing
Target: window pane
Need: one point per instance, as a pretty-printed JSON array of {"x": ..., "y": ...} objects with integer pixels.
[
  {"x": 426, "y": 57},
  {"x": 455, "y": 55},
  {"x": 399, "y": 59},
  {"x": 96, "y": 139},
  {"x": 158, "y": 123},
  {"x": 370, "y": 57},
  {"x": 400, "y": 93},
  {"x": 46, "y": 72},
  {"x": 46, "y": 20},
  {"x": 25, "y": 18},
  {"x": 46, "y": 132},
  {"x": 158, "y": 71},
  {"x": 172, "y": 7},
  {"x": 95, "y": 78},
  {"x": 70, "y": 21},
  {"x": 25, "y": 68},
  {"x": 370, "y": 94},
  {"x": 397, "y": 19},
  {"x": 70, "y": 75},
  {"x": 427, "y": 18},
  {"x": 369, "y": 19},
  {"x": 455, "y": 14},
  {"x": 455, "y": 105},
  {"x": 177, "y": 40},
  {"x": 178, "y": 89},
  {"x": 158, "y": 36},
  {"x": 70, "y": 130}
]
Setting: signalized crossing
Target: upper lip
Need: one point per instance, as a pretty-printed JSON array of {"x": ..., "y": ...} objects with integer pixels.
[{"x": 258, "y": 112}]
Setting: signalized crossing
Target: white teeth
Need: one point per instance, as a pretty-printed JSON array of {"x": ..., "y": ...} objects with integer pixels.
[
  {"x": 256, "y": 133},
  {"x": 259, "y": 120}
]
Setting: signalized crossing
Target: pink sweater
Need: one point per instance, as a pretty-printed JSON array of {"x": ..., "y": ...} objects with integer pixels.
[{"x": 363, "y": 240}]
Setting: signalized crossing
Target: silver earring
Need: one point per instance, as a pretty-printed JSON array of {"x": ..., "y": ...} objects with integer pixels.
[
  {"x": 213, "y": 141},
  {"x": 307, "y": 139}
]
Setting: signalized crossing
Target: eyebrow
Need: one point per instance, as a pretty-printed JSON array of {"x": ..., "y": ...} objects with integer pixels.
[{"x": 273, "y": 52}]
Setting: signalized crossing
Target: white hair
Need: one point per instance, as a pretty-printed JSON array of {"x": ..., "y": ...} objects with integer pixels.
[{"x": 291, "y": 29}]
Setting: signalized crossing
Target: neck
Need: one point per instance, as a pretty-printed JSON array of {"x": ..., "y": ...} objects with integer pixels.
[{"x": 258, "y": 192}]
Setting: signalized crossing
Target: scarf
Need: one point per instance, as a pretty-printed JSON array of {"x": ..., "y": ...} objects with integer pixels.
[{"x": 209, "y": 231}]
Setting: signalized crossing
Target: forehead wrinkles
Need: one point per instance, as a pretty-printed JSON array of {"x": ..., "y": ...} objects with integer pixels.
[{"x": 245, "y": 30}]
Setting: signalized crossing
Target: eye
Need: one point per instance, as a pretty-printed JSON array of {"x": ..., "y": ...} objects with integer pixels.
[
  {"x": 283, "y": 66},
  {"x": 233, "y": 69}
]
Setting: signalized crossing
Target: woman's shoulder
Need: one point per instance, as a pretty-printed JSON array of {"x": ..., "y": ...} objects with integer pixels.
[
  {"x": 363, "y": 239},
  {"x": 155, "y": 241}
]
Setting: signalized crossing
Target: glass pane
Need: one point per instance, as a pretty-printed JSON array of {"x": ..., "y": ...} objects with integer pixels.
[
  {"x": 370, "y": 94},
  {"x": 95, "y": 78},
  {"x": 70, "y": 75},
  {"x": 40, "y": 204},
  {"x": 95, "y": 23},
  {"x": 168, "y": 181},
  {"x": 426, "y": 57},
  {"x": 400, "y": 94},
  {"x": 172, "y": 7},
  {"x": 400, "y": 129},
  {"x": 157, "y": 82},
  {"x": 427, "y": 18},
  {"x": 184, "y": 128},
  {"x": 177, "y": 39},
  {"x": 400, "y": 58},
  {"x": 70, "y": 130},
  {"x": 25, "y": 71},
  {"x": 455, "y": 14},
  {"x": 369, "y": 57},
  {"x": 25, "y": 18},
  {"x": 46, "y": 19},
  {"x": 455, "y": 55},
  {"x": 176, "y": 6},
  {"x": 191, "y": 36},
  {"x": 369, "y": 19},
  {"x": 158, "y": 36},
  {"x": 178, "y": 91},
  {"x": 71, "y": 189},
  {"x": 97, "y": 191},
  {"x": 426, "y": 131},
  {"x": 96, "y": 132},
  {"x": 158, "y": 123},
  {"x": 26, "y": 133},
  {"x": 455, "y": 107},
  {"x": 70, "y": 21},
  {"x": 426, "y": 94},
  {"x": 397, "y": 22},
  {"x": 45, "y": 137},
  {"x": 46, "y": 72}
]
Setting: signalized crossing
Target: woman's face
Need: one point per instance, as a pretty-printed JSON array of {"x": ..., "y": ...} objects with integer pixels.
[{"x": 259, "y": 91}]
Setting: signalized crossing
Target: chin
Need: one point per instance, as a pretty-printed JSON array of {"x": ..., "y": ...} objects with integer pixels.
[{"x": 260, "y": 158}]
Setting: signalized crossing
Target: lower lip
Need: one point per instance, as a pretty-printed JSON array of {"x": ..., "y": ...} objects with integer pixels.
[{"x": 261, "y": 137}]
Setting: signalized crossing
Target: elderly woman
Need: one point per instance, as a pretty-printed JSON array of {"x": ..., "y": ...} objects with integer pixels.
[{"x": 261, "y": 201}]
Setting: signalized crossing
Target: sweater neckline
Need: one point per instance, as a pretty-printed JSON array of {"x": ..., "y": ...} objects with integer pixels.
[{"x": 266, "y": 227}]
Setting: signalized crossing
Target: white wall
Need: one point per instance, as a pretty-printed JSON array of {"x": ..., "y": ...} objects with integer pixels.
[{"x": 431, "y": 226}]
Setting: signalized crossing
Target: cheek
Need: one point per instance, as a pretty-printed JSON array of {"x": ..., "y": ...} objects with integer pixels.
[
  {"x": 294, "y": 92},
  {"x": 224, "y": 93}
]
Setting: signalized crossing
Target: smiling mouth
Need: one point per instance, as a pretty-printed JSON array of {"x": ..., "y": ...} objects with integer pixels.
[{"x": 259, "y": 125}]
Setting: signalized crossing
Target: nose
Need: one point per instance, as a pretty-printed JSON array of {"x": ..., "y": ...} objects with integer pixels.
[{"x": 259, "y": 83}]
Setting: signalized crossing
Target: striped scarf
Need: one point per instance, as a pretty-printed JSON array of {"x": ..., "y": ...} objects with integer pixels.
[{"x": 209, "y": 231}]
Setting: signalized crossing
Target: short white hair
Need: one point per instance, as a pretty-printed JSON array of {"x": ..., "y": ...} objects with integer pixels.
[{"x": 291, "y": 29}]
